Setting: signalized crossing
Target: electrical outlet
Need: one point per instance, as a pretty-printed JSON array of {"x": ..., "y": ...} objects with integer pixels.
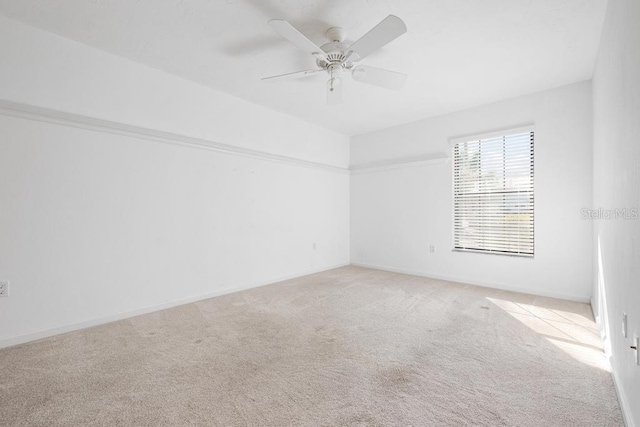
[
  {"x": 314, "y": 246},
  {"x": 624, "y": 324},
  {"x": 4, "y": 289},
  {"x": 432, "y": 249}
]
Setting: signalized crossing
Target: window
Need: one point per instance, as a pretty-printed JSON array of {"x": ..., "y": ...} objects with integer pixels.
[{"x": 493, "y": 194}]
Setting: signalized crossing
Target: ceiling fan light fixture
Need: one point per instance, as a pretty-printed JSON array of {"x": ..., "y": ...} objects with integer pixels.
[
  {"x": 335, "y": 74},
  {"x": 334, "y": 84}
]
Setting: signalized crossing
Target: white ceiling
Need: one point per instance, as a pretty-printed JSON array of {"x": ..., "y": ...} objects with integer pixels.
[{"x": 457, "y": 53}]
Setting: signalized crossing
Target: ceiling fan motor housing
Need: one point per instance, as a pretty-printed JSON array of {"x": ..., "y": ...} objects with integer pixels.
[
  {"x": 336, "y": 34},
  {"x": 335, "y": 52}
]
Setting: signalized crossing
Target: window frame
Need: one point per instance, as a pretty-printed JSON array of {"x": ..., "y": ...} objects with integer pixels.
[{"x": 484, "y": 136}]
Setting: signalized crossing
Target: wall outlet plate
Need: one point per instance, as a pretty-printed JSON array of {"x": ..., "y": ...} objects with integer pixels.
[{"x": 4, "y": 288}]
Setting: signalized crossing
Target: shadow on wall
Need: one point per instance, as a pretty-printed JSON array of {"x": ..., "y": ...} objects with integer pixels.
[{"x": 602, "y": 302}]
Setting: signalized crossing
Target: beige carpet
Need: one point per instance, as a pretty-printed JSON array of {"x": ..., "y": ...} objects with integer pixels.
[{"x": 347, "y": 347}]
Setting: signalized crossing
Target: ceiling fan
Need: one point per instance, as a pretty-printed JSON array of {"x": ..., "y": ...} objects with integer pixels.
[{"x": 336, "y": 57}]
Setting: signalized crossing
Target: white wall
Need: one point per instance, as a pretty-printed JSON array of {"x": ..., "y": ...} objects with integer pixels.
[
  {"x": 95, "y": 225},
  {"x": 42, "y": 69},
  {"x": 397, "y": 214},
  {"x": 616, "y": 92}
]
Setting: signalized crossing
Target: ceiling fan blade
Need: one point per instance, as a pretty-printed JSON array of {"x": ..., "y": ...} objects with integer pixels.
[
  {"x": 290, "y": 33},
  {"x": 334, "y": 91},
  {"x": 386, "y": 31},
  {"x": 379, "y": 77},
  {"x": 290, "y": 76}
]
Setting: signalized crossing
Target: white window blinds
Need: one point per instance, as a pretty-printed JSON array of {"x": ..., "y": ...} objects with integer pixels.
[{"x": 493, "y": 195}]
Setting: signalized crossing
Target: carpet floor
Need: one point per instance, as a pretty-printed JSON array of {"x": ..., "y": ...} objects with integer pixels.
[{"x": 346, "y": 347}]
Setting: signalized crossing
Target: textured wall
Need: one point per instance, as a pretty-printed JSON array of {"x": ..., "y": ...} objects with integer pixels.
[
  {"x": 95, "y": 224},
  {"x": 396, "y": 215},
  {"x": 616, "y": 93}
]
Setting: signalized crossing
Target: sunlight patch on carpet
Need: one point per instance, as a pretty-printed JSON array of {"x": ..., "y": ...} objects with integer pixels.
[{"x": 573, "y": 333}]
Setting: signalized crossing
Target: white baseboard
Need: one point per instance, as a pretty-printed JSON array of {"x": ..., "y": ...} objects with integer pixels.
[
  {"x": 622, "y": 398},
  {"x": 596, "y": 317},
  {"x": 474, "y": 282},
  {"x": 625, "y": 407},
  {"x": 598, "y": 320},
  {"x": 21, "y": 339}
]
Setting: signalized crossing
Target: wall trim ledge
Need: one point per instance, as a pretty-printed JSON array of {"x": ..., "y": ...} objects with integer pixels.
[
  {"x": 46, "y": 115},
  {"x": 33, "y": 336},
  {"x": 397, "y": 164}
]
